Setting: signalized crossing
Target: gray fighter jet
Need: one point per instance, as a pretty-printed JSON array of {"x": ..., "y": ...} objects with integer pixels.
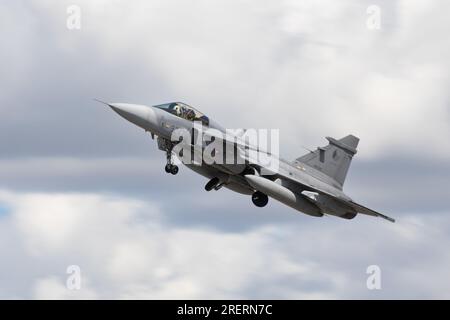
[{"x": 312, "y": 183}]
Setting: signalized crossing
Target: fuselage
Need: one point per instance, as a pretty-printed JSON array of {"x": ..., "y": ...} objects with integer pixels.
[
  {"x": 162, "y": 120},
  {"x": 311, "y": 184}
]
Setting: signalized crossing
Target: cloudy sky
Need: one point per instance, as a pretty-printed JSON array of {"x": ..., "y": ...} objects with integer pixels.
[{"x": 81, "y": 186}]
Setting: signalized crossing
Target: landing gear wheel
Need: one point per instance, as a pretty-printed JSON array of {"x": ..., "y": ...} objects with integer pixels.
[
  {"x": 171, "y": 168},
  {"x": 212, "y": 184},
  {"x": 259, "y": 199},
  {"x": 174, "y": 170}
]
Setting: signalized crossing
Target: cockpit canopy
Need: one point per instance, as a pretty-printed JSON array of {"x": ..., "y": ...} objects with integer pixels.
[{"x": 184, "y": 111}]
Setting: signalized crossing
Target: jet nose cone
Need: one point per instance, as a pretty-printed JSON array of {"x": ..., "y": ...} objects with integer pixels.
[
  {"x": 124, "y": 110},
  {"x": 141, "y": 116},
  {"x": 115, "y": 107}
]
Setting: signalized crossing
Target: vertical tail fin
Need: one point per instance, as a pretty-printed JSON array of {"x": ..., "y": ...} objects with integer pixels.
[{"x": 334, "y": 159}]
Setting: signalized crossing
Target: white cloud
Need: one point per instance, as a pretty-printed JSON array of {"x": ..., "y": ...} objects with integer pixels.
[
  {"x": 311, "y": 68},
  {"x": 314, "y": 64},
  {"x": 54, "y": 288},
  {"x": 125, "y": 250}
]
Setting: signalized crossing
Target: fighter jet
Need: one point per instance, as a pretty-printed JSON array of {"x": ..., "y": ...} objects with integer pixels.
[{"x": 312, "y": 183}]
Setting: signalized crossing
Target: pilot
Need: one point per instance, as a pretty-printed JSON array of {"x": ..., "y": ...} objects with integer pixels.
[
  {"x": 177, "y": 110},
  {"x": 183, "y": 111},
  {"x": 190, "y": 114}
]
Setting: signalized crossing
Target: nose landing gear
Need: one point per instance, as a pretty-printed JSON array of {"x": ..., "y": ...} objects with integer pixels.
[
  {"x": 167, "y": 146},
  {"x": 171, "y": 168}
]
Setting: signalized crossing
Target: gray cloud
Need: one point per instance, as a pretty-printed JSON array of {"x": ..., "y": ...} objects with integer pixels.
[
  {"x": 81, "y": 185},
  {"x": 395, "y": 184}
]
